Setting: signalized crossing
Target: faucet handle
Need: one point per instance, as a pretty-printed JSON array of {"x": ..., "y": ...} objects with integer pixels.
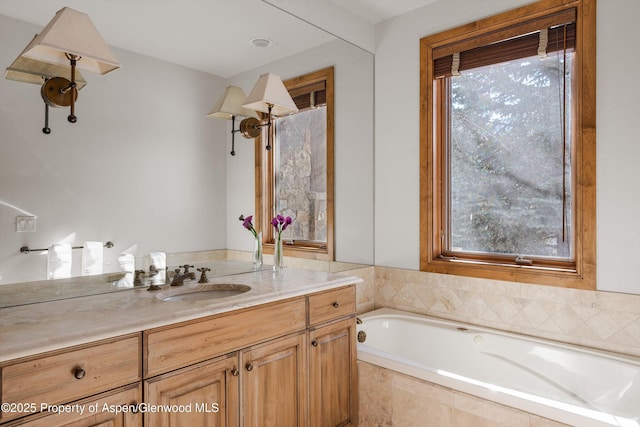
[
  {"x": 203, "y": 276},
  {"x": 186, "y": 268}
]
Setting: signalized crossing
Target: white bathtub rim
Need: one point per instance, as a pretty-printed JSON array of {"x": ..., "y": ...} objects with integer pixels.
[
  {"x": 547, "y": 408},
  {"x": 386, "y": 311}
]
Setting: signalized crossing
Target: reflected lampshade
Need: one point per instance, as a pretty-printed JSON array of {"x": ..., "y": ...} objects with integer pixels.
[
  {"x": 270, "y": 91},
  {"x": 230, "y": 105}
]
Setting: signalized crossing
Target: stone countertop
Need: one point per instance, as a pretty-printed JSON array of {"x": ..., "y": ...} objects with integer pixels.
[{"x": 35, "y": 328}]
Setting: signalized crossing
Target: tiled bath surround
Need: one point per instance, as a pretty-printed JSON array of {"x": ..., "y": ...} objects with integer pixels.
[{"x": 603, "y": 320}]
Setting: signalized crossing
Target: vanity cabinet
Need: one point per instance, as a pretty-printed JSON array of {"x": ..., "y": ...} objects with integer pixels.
[
  {"x": 204, "y": 394},
  {"x": 175, "y": 346},
  {"x": 333, "y": 375},
  {"x": 42, "y": 382},
  {"x": 332, "y": 359},
  {"x": 274, "y": 383},
  {"x": 285, "y": 363}
]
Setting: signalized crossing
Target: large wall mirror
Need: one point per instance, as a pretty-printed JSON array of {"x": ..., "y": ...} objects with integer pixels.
[{"x": 143, "y": 167}]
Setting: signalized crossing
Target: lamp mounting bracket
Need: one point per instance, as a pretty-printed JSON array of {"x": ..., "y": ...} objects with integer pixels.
[
  {"x": 55, "y": 92},
  {"x": 250, "y": 127}
]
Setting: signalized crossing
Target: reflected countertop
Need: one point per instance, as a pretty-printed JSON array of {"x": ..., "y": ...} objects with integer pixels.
[
  {"x": 35, "y": 328},
  {"x": 50, "y": 290}
]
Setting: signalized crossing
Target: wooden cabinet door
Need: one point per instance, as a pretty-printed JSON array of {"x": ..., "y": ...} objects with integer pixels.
[
  {"x": 203, "y": 395},
  {"x": 274, "y": 385},
  {"x": 333, "y": 375}
]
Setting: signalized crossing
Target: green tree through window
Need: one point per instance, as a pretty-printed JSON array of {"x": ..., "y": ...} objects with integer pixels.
[{"x": 510, "y": 178}]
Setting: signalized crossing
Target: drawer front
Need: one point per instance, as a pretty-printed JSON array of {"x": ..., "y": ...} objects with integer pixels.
[
  {"x": 80, "y": 413},
  {"x": 188, "y": 343},
  {"x": 64, "y": 376},
  {"x": 332, "y": 304}
]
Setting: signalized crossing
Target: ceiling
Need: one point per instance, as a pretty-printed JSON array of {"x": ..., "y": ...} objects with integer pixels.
[{"x": 210, "y": 35}]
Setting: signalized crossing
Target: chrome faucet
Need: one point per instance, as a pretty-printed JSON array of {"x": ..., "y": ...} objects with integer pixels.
[{"x": 178, "y": 279}]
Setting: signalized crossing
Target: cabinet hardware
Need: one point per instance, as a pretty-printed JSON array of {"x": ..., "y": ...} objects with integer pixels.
[
  {"x": 235, "y": 372},
  {"x": 79, "y": 373},
  {"x": 249, "y": 366},
  {"x": 314, "y": 343},
  {"x": 336, "y": 305}
]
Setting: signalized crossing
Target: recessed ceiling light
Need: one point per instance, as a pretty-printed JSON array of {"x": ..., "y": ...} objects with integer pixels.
[{"x": 260, "y": 42}]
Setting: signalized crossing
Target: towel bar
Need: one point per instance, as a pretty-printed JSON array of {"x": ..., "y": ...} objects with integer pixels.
[{"x": 26, "y": 249}]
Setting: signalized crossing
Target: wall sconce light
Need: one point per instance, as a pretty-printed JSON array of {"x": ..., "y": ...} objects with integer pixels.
[
  {"x": 70, "y": 38},
  {"x": 228, "y": 107},
  {"x": 28, "y": 70},
  {"x": 269, "y": 95}
]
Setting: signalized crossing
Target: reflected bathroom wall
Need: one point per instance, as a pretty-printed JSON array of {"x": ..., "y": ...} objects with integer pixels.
[
  {"x": 143, "y": 167},
  {"x": 353, "y": 74}
]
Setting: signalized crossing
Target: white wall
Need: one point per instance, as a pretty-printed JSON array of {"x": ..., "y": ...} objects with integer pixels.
[
  {"x": 354, "y": 212},
  {"x": 397, "y": 134},
  {"x": 142, "y": 167}
]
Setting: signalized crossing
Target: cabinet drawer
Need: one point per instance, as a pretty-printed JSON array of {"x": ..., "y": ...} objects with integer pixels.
[
  {"x": 80, "y": 414},
  {"x": 332, "y": 304},
  {"x": 71, "y": 374},
  {"x": 192, "y": 342}
]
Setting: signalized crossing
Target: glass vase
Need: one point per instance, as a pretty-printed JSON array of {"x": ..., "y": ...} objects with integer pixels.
[
  {"x": 278, "y": 256},
  {"x": 257, "y": 251}
]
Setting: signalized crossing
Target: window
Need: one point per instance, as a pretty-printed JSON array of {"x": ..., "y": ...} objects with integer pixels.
[
  {"x": 295, "y": 178},
  {"x": 508, "y": 146}
]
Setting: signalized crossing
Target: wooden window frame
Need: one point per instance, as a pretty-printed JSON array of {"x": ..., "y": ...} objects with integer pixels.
[
  {"x": 264, "y": 177},
  {"x": 583, "y": 273}
]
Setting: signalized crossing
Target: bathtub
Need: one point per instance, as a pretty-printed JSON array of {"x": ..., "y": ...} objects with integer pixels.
[{"x": 569, "y": 384}]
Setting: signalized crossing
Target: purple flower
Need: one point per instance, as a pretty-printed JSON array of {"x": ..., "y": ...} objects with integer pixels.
[
  {"x": 280, "y": 223},
  {"x": 246, "y": 223}
]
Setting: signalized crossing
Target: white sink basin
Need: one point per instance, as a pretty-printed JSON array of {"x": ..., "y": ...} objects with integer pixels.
[{"x": 205, "y": 292}]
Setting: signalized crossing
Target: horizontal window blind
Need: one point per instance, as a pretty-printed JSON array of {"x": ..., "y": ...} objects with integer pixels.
[
  {"x": 302, "y": 95},
  {"x": 493, "y": 48}
]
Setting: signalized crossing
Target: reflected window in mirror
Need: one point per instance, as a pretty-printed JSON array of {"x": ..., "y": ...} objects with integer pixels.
[{"x": 295, "y": 177}]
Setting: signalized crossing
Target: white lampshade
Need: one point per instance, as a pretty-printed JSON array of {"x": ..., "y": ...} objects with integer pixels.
[
  {"x": 37, "y": 72},
  {"x": 230, "y": 104},
  {"x": 29, "y": 70},
  {"x": 72, "y": 32},
  {"x": 269, "y": 90}
]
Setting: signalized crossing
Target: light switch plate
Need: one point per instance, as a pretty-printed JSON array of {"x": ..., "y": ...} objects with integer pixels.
[{"x": 25, "y": 224}]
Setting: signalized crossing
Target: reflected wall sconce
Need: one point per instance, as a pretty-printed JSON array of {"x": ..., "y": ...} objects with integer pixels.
[
  {"x": 269, "y": 95},
  {"x": 70, "y": 38},
  {"x": 228, "y": 107}
]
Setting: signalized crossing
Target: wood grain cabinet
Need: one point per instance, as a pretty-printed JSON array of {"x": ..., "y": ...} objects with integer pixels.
[
  {"x": 333, "y": 375},
  {"x": 50, "y": 381},
  {"x": 289, "y": 363},
  {"x": 117, "y": 408},
  {"x": 205, "y": 394},
  {"x": 274, "y": 383},
  {"x": 332, "y": 359}
]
